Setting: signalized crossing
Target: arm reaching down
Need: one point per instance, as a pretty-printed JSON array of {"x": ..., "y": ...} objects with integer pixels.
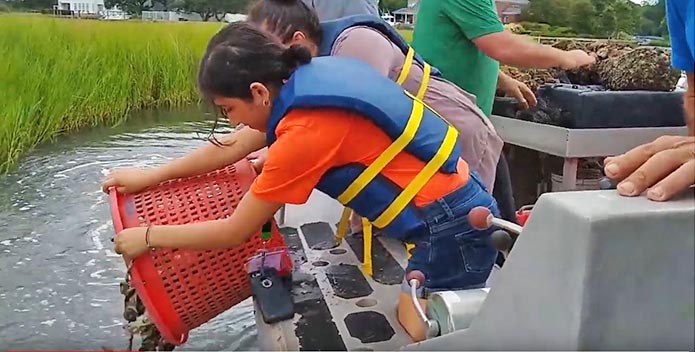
[
  {"x": 248, "y": 218},
  {"x": 302, "y": 153},
  {"x": 518, "y": 90},
  {"x": 203, "y": 160}
]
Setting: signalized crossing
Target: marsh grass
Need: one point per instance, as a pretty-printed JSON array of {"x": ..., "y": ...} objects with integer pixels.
[{"x": 61, "y": 75}]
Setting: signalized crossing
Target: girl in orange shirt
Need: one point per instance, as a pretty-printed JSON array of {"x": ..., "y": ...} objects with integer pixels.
[{"x": 407, "y": 177}]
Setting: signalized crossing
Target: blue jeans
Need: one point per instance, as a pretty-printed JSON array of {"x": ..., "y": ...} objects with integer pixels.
[{"x": 448, "y": 250}]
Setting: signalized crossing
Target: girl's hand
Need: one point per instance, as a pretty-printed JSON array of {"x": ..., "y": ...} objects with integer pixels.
[
  {"x": 257, "y": 159},
  {"x": 131, "y": 242},
  {"x": 131, "y": 180}
]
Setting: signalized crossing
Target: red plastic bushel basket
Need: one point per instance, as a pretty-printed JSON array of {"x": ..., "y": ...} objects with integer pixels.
[{"x": 182, "y": 289}]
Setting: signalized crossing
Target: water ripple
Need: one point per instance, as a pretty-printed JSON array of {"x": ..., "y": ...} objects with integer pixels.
[{"x": 58, "y": 274}]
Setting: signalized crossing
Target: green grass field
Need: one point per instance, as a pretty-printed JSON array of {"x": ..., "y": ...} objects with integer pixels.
[
  {"x": 407, "y": 34},
  {"x": 60, "y": 75}
]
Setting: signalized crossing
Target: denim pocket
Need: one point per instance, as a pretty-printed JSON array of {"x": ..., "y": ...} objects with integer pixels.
[
  {"x": 477, "y": 252},
  {"x": 447, "y": 226}
]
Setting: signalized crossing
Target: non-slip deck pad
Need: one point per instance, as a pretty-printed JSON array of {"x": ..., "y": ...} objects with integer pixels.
[
  {"x": 319, "y": 235},
  {"x": 310, "y": 304},
  {"x": 348, "y": 281},
  {"x": 369, "y": 327},
  {"x": 386, "y": 269}
]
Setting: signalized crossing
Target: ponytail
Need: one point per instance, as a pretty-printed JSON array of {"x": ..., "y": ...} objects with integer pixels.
[
  {"x": 241, "y": 54},
  {"x": 285, "y": 17},
  {"x": 295, "y": 56}
]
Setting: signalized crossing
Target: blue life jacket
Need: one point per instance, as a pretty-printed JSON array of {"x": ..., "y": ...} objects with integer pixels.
[
  {"x": 332, "y": 30},
  {"x": 353, "y": 85}
]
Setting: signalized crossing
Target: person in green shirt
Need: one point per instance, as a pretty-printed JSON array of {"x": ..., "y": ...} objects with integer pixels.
[{"x": 466, "y": 41}]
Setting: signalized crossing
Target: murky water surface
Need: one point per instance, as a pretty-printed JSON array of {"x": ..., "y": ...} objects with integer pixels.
[{"x": 59, "y": 275}]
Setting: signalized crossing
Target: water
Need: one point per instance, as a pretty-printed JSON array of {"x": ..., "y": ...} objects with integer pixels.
[{"x": 59, "y": 275}]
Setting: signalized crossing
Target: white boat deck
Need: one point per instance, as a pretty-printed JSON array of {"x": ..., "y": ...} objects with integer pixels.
[{"x": 337, "y": 307}]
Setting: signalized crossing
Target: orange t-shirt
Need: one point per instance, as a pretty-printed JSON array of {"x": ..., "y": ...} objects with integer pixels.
[{"x": 312, "y": 141}]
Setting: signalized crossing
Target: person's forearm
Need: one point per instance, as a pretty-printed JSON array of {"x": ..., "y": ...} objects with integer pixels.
[
  {"x": 250, "y": 215},
  {"x": 522, "y": 52},
  {"x": 516, "y": 50},
  {"x": 217, "y": 234},
  {"x": 212, "y": 157}
]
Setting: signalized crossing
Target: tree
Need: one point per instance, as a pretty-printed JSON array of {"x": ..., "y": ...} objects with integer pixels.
[
  {"x": 539, "y": 11},
  {"x": 392, "y": 5},
  {"x": 33, "y": 4},
  {"x": 214, "y": 8},
  {"x": 596, "y": 17},
  {"x": 582, "y": 19},
  {"x": 648, "y": 27},
  {"x": 629, "y": 16},
  {"x": 205, "y": 8},
  {"x": 561, "y": 14},
  {"x": 654, "y": 12},
  {"x": 133, "y": 7},
  {"x": 600, "y": 5},
  {"x": 663, "y": 28},
  {"x": 607, "y": 21},
  {"x": 652, "y": 15}
]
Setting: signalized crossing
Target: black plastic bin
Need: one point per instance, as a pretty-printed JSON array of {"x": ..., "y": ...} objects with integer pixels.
[{"x": 595, "y": 107}]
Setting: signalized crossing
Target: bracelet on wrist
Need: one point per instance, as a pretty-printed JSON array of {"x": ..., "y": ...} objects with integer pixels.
[{"x": 147, "y": 237}]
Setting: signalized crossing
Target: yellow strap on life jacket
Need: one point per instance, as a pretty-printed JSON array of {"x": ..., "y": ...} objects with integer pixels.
[
  {"x": 407, "y": 195},
  {"x": 367, "y": 262},
  {"x": 387, "y": 156},
  {"x": 408, "y": 248},
  {"x": 349, "y": 194},
  {"x": 420, "y": 179},
  {"x": 343, "y": 225},
  {"x": 405, "y": 71},
  {"x": 426, "y": 71}
]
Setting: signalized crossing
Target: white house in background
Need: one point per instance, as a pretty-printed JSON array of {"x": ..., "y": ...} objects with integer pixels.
[
  {"x": 81, "y": 6},
  {"x": 159, "y": 12},
  {"x": 115, "y": 14},
  {"x": 407, "y": 14},
  {"x": 164, "y": 15},
  {"x": 234, "y": 17}
]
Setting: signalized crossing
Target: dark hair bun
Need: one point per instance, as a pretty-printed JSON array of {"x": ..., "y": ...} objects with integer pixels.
[{"x": 296, "y": 55}]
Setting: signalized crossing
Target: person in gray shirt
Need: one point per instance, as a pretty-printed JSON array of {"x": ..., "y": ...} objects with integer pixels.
[{"x": 334, "y": 9}]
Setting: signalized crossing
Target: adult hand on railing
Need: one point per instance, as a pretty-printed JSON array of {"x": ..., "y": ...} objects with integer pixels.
[{"x": 664, "y": 168}]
